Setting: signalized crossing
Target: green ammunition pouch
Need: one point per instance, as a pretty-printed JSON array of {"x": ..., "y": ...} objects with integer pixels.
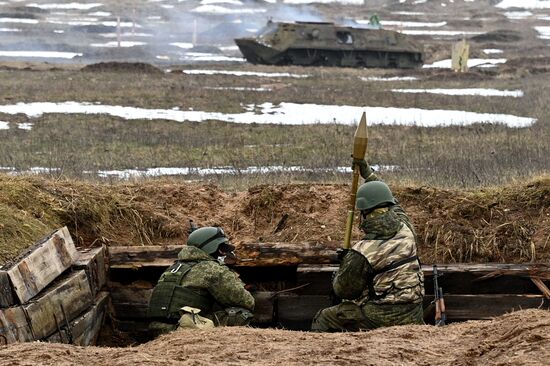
[
  {"x": 233, "y": 316},
  {"x": 169, "y": 296}
]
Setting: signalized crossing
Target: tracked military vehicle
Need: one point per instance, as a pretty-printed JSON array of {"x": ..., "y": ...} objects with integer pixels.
[{"x": 326, "y": 44}]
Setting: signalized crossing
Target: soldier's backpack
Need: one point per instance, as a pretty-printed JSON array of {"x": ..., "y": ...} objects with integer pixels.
[{"x": 169, "y": 296}]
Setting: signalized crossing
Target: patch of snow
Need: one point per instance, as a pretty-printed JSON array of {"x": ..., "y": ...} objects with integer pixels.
[
  {"x": 471, "y": 91},
  {"x": 215, "y": 9},
  {"x": 416, "y": 32},
  {"x": 244, "y": 73},
  {"x": 116, "y": 44},
  {"x": 209, "y": 57},
  {"x": 4, "y": 125},
  {"x": 25, "y": 126},
  {"x": 473, "y": 62},
  {"x": 167, "y": 6},
  {"x": 18, "y": 20},
  {"x": 58, "y": 31},
  {"x": 398, "y": 23},
  {"x": 343, "y": 2},
  {"x": 490, "y": 51},
  {"x": 407, "y": 13},
  {"x": 518, "y": 15},
  {"x": 184, "y": 45},
  {"x": 231, "y": 2},
  {"x": 113, "y": 23},
  {"x": 100, "y": 14},
  {"x": 392, "y": 78},
  {"x": 10, "y": 30},
  {"x": 283, "y": 113},
  {"x": 73, "y": 6},
  {"x": 524, "y": 4},
  {"x": 544, "y": 32},
  {"x": 40, "y": 54},
  {"x": 125, "y": 35},
  {"x": 229, "y": 48}
]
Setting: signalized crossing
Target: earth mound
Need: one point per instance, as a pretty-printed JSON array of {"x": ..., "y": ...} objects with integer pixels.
[
  {"x": 501, "y": 35},
  {"x": 514, "y": 339},
  {"x": 138, "y": 67}
]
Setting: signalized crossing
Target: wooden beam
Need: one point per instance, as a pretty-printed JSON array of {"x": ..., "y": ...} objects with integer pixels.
[
  {"x": 14, "y": 326},
  {"x": 84, "y": 330},
  {"x": 142, "y": 256},
  {"x": 45, "y": 261},
  {"x": 62, "y": 302},
  {"x": 93, "y": 261}
]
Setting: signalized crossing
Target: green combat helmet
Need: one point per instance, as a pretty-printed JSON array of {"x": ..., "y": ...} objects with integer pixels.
[
  {"x": 373, "y": 194},
  {"x": 208, "y": 239}
]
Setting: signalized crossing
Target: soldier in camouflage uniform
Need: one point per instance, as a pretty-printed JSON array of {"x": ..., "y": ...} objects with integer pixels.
[
  {"x": 199, "y": 280},
  {"x": 379, "y": 279}
]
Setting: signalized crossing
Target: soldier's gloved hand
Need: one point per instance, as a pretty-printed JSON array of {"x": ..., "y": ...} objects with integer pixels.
[
  {"x": 341, "y": 253},
  {"x": 364, "y": 167}
]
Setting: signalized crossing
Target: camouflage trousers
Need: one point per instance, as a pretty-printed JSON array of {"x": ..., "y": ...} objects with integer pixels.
[{"x": 351, "y": 317}]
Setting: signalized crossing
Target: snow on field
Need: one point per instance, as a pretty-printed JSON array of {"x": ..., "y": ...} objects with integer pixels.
[
  {"x": 473, "y": 62},
  {"x": 416, "y": 32},
  {"x": 544, "y": 32},
  {"x": 123, "y": 35},
  {"x": 209, "y": 57},
  {"x": 489, "y": 51},
  {"x": 472, "y": 91},
  {"x": 524, "y": 4},
  {"x": 231, "y": 2},
  {"x": 4, "y": 125},
  {"x": 25, "y": 126},
  {"x": 405, "y": 24},
  {"x": 18, "y": 20},
  {"x": 215, "y": 9},
  {"x": 39, "y": 54},
  {"x": 244, "y": 73},
  {"x": 184, "y": 45},
  {"x": 116, "y": 44},
  {"x": 72, "y": 6},
  {"x": 10, "y": 30},
  {"x": 343, "y": 2},
  {"x": 518, "y": 15},
  {"x": 283, "y": 113},
  {"x": 392, "y": 78}
]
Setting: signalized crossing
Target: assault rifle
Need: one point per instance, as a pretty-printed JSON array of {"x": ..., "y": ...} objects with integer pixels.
[{"x": 439, "y": 301}]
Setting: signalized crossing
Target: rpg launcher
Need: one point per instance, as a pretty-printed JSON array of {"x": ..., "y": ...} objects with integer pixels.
[{"x": 439, "y": 301}]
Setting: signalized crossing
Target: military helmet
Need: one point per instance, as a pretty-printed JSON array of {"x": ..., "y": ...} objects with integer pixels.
[
  {"x": 373, "y": 194},
  {"x": 207, "y": 238}
]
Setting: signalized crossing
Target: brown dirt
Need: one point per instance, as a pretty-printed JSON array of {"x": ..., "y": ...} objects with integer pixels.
[
  {"x": 521, "y": 338},
  {"x": 139, "y": 67},
  {"x": 506, "y": 224}
]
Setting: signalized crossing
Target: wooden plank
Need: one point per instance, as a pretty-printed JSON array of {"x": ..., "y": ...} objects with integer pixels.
[
  {"x": 131, "y": 301},
  {"x": 14, "y": 326},
  {"x": 142, "y": 256},
  {"x": 93, "y": 262},
  {"x": 62, "y": 302},
  {"x": 7, "y": 296},
  {"x": 84, "y": 330},
  {"x": 44, "y": 263}
]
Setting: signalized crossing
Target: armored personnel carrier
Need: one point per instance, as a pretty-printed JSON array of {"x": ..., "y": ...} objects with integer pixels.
[{"x": 326, "y": 44}]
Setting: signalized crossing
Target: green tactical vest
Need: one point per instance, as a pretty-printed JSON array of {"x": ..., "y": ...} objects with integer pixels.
[{"x": 169, "y": 296}]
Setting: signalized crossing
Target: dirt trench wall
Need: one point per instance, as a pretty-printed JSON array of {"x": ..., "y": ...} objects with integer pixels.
[{"x": 506, "y": 224}]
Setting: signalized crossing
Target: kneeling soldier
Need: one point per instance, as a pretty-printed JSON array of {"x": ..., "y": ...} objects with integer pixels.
[
  {"x": 200, "y": 282},
  {"x": 379, "y": 279}
]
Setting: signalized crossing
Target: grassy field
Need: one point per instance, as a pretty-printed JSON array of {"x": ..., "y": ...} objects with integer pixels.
[{"x": 446, "y": 156}]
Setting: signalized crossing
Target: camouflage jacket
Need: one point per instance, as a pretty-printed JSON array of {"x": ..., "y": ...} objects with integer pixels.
[
  {"x": 222, "y": 284},
  {"x": 390, "y": 239}
]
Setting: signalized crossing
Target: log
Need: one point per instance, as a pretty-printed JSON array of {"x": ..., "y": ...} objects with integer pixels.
[
  {"x": 84, "y": 330},
  {"x": 42, "y": 264},
  {"x": 7, "y": 296},
  {"x": 92, "y": 261},
  {"x": 14, "y": 326},
  {"x": 61, "y": 303},
  {"x": 142, "y": 256}
]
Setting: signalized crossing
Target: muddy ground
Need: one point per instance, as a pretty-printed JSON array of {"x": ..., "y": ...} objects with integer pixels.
[{"x": 521, "y": 338}]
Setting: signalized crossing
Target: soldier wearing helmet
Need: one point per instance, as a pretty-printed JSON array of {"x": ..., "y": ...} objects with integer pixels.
[
  {"x": 379, "y": 280},
  {"x": 199, "y": 290}
]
